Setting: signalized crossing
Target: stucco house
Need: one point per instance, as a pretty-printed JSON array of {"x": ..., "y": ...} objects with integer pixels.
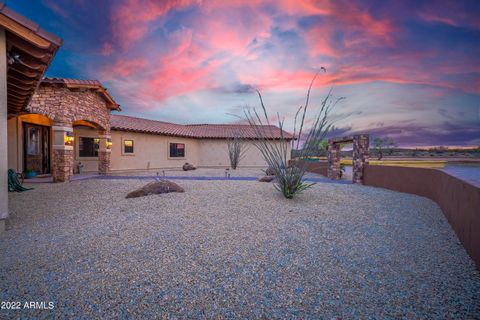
[
  {"x": 68, "y": 127},
  {"x": 56, "y": 126}
]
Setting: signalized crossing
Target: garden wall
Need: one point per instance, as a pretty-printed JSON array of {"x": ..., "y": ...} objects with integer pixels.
[
  {"x": 459, "y": 200},
  {"x": 320, "y": 167}
]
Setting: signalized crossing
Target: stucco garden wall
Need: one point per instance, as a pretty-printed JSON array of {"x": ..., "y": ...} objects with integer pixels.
[{"x": 459, "y": 200}]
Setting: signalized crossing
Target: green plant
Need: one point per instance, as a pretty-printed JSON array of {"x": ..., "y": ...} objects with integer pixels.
[
  {"x": 29, "y": 170},
  {"x": 290, "y": 179},
  {"x": 383, "y": 144}
]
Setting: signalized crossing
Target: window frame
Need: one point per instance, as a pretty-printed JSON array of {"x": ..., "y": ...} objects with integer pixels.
[
  {"x": 176, "y": 157},
  {"x": 79, "y": 138},
  {"x": 123, "y": 147}
]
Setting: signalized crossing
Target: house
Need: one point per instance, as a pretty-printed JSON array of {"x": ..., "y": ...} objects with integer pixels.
[
  {"x": 68, "y": 127},
  {"x": 57, "y": 126}
]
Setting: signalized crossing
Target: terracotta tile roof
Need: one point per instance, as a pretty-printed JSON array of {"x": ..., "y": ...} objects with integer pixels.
[
  {"x": 86, "y": 84},
  {"x": 232, "y": 130},
  {"x": 198, "y": 131},
  {"x": 73, "y": 82}
]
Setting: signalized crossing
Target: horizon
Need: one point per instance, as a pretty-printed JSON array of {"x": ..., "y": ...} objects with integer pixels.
[{"x": 408, "y": 70}]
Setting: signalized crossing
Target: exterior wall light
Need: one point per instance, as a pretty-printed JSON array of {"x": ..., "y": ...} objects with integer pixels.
[
  {"x": 108, "y": 143},
  {"x": 68, "y": 138}
]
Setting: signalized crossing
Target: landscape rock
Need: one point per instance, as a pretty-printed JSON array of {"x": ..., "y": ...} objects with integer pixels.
[
  {"x": 156, "y": 187},
  {"x": 267, "y": 179},
  {"x": 188, "y": 166},
  {"x": 270, "y": 171}
]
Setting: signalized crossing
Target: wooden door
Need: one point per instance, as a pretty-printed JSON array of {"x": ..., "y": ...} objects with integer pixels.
[{"x": 36, "y": 148}]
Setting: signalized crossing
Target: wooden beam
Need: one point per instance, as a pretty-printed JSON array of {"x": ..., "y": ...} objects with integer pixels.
[
  {"x": 24, "y": 32},
  {"x": 20, "y": 44}
]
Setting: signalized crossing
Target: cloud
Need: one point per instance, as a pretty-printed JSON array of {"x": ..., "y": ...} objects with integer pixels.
[{"x": 395, "y": 62}]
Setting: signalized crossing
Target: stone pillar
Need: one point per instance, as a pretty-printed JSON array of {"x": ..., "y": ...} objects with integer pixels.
[
  {"x": 360, "y": 156},
  {"x": 62, "y": 168},
  {"x": 333, "y": 160},
  {"x": 3, "y": 133},
  {"x": 104, "y": 152}
]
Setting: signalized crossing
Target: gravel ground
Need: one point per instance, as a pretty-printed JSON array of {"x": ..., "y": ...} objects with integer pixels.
[
  {"x": 233, "y": 249},
  {"x": 208, "y": 172}
]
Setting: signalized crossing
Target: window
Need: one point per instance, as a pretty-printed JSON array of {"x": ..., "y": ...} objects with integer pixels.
[
  {"x": 88, "y": 147},
  {"x": 177, "y": 150},
  {"x": 128, "y": 146}
]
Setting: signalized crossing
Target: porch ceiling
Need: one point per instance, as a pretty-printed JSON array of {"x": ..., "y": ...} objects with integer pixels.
[{"x": 29, "y": 53}]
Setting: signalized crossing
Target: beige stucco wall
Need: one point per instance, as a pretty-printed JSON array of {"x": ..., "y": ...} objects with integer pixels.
[
  {"x": 3, "y": 132},
  {"x": 90, "y": 164},
  {"x": 150, "y": 151},
  {"x": 214, "y": 153}
]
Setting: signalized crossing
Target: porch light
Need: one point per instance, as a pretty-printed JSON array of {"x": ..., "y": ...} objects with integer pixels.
[
  {"x": 108, "y": 143},
  {"x": 68, "y": 138}
]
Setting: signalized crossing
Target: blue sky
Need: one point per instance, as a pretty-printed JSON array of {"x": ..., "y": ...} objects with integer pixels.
[{"x": 408, "y": 69}]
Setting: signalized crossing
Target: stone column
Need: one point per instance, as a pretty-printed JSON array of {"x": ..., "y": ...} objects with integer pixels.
[
  {"x": 3, "y": 133},
  {"x": 333, "y": 160},
  {"x": 62, "y": 168},
  {"x": 104, "y": 152},
  {"x": 360, "y": 156}
]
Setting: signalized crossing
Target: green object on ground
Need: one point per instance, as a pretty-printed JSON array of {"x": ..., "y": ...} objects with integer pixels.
[{"x": 14, "y": 184}]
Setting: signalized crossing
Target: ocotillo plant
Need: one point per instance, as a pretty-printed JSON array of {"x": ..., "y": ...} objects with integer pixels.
[{"x": 290, "y": 179}]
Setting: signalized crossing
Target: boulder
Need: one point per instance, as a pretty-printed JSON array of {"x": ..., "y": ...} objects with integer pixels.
[
  {"x": 187, "y": 166},
  {"x": 270, "y": 171},
  {"x": 267, "y": 179},
  {"x": 155, "y": 187}
]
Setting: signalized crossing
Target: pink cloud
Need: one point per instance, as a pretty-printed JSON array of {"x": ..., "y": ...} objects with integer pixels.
[
  {"x": 131, "y": 20},
  {"x": 215, "y": 47}
]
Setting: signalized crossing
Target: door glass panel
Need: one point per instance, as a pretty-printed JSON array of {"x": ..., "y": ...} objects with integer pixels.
[{"x": 33, "y": 142}]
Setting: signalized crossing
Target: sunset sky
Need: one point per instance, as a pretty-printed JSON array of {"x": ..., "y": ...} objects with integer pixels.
[{"x": 408, "y": 69}]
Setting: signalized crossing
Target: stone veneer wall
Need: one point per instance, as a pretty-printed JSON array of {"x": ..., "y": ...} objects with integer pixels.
[
  {"x": 103, "y": 161},
  {"x": 359, "y": 158},
  {"x": 62, "y": 165},
  {"x": 65, "y": 106}
]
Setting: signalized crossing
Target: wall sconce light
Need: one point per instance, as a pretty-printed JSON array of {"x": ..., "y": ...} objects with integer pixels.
[
  {"x": 68, "y": 138},
  {"x": 108, "y": 143}
]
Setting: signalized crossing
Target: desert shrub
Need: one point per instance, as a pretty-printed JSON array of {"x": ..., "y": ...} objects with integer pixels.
[
  {"x": 236, "y": 151},
  {"x": 290, "y": 179}
]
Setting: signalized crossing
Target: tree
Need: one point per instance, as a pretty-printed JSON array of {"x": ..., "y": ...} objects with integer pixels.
[{"x": 383, "y": 144}]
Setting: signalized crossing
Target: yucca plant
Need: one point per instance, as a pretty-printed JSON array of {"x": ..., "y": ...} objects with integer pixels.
[{"x": 290, "y": 179}]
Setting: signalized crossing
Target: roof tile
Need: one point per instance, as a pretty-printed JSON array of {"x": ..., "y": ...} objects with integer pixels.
[{"x": 198, "y": 131}]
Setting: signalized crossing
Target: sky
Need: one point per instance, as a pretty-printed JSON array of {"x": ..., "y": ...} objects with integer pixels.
[{"x": 409, "y": 70}]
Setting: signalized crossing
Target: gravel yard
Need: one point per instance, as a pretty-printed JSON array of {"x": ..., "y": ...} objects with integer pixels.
[{"x": 233, "y": 249}]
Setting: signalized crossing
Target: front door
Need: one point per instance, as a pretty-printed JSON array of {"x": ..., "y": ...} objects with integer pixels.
[{"x": 36, "y": 148}]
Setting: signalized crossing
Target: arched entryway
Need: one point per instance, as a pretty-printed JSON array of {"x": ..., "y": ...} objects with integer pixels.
[
  {"x": 91, "y": 147},
  {"x": 359, "y": 156}
]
